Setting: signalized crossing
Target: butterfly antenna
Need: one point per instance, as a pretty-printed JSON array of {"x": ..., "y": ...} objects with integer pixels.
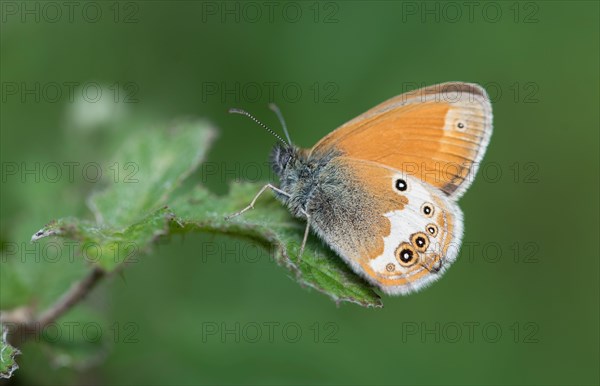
[
  {"x": 243, "y": 112},
  {"x": 274, "y": 107}
]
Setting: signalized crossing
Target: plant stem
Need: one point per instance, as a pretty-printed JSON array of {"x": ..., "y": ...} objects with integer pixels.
[{"x": 25, "y": 327}]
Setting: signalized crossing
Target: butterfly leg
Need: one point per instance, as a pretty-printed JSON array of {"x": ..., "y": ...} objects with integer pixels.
[
  {"x": 305, "y": 235},
  {"x": 251, "y": 206}
]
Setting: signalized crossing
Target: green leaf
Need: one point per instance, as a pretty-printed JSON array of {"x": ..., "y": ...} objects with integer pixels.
[
  {"x": 149, "y": 169},
  {"x": 270, "y": 223},
  {"x": 7, "y": 356},
  {"x": 131, "y": 211},
  {"x": 130, "y": 216}
]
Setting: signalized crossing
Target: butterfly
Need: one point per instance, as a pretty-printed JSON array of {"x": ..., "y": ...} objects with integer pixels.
[{"x": 382, "y": 189}]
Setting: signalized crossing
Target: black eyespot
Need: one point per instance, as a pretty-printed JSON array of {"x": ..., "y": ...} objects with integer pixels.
[
  {"x": 461, "y": 125},
  {"x": 420, "y": 241},
  {"x": 401, "y": 185},
  {"x": 432, "y": 229},
  {"x": 406, "y": 255},
  {"x": 427, "y": 209}
]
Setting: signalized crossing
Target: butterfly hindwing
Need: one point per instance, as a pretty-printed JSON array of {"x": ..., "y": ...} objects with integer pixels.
[
  {"x": 393, "y": 229},
  {"x": 437, "y": 134}
]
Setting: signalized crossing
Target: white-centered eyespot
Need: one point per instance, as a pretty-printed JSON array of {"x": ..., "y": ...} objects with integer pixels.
[
  {"x": 401, "y": 184},
  {"x": 432, "y": 229},
  {"x": 420, "y": 241},
  {"x": 427, "y": 209},
  {"x": 406, "y": 255}
]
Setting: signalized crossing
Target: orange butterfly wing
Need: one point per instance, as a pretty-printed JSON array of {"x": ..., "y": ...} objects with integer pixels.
[
  {"x": 370, "y": 221},
  {"x": 437, "y": 134}
]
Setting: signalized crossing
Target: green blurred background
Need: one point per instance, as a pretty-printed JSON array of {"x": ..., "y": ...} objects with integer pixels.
[{"x": 530, "y": 272}]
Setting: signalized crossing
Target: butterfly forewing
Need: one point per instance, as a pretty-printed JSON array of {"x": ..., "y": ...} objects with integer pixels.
[{"x": 437, "y": 134}]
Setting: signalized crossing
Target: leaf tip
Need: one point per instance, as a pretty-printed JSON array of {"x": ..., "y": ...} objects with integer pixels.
[{"x": 47, "y": 230}]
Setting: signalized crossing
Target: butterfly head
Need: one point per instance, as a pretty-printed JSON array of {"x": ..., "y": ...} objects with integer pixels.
[
  {"x": 282, "y": 157},
  {"x": 289, "y": 163}
]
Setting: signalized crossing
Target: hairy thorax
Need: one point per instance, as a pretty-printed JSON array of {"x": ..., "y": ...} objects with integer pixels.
[{"x": 300, "y": 176}]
